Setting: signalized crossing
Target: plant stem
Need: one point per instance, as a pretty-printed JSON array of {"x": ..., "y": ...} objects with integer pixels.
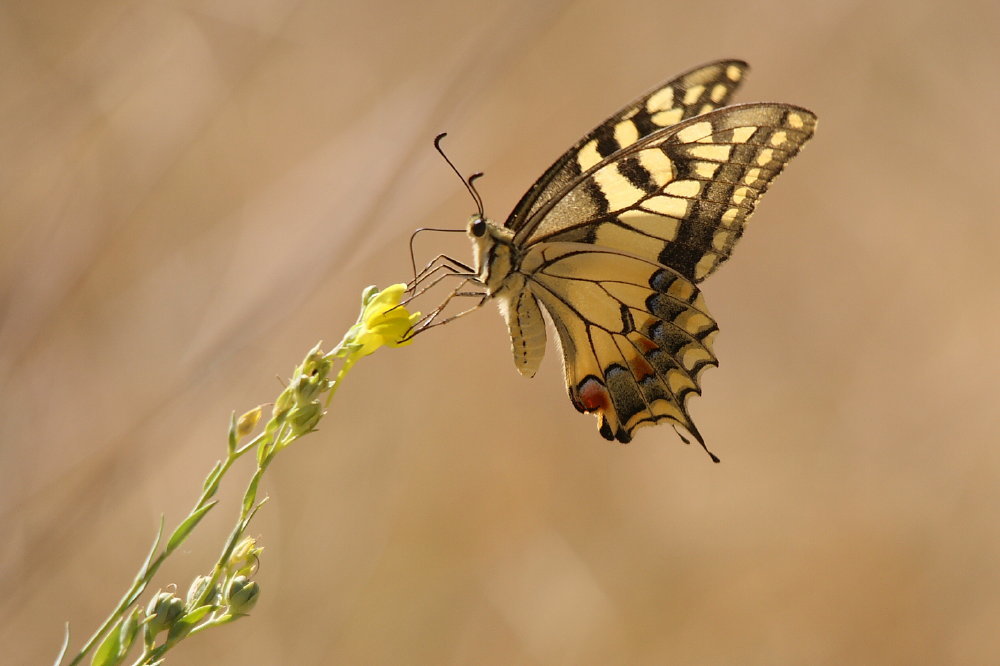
[{"x": 149, "y": 569}]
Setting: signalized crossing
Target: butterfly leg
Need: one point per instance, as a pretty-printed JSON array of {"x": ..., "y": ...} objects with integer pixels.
[
  {"x": 424, "y": 288},
  {"x": 428, "y": 321},
  {"x": 439, "y": 263}
]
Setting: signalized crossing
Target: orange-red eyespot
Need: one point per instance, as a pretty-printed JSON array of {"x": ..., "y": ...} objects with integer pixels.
[{"x": 593, "y": 395}]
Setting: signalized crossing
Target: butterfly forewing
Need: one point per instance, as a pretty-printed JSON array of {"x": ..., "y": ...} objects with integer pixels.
[
  {"x": 695, "y": 92},
  {"x": 681, "y": 196}
]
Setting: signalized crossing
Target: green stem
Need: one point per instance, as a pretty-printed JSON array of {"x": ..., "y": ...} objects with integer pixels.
[
  {"x": 268, "y": 443},
  {"x": 146, "y": 573},
  {"x": 344, "y": 369}
]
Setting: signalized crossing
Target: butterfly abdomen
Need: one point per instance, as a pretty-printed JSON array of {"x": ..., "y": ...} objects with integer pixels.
[{"x": 525, "y": 323}]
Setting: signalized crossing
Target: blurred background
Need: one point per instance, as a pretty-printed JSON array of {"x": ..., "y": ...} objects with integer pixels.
[{"x": 194, "y": 193}]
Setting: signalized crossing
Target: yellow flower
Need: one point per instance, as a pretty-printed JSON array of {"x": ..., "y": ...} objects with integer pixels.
[{"x": 383, "y": 321}]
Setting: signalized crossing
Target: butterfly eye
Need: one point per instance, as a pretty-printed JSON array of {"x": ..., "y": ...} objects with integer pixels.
[{"x": 477, "y": 227}]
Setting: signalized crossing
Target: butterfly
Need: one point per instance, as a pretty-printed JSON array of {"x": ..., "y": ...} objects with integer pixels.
[{"x": 614, "y": 238}]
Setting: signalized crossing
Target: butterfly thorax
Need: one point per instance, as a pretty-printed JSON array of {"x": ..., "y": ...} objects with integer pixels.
[
  {"x": 493, "y": 250},
  {"x": 498, "y": 268}
]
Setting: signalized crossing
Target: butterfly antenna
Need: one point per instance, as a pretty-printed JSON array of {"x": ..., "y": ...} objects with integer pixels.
[
  {"x": 475, "y": 193},
  {"x": 467, "y": 182}
]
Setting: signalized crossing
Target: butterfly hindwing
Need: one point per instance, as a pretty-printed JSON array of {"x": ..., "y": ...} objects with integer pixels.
[
  {"x": 695, "y": 92},
  {"x": 635, "y": 335}
]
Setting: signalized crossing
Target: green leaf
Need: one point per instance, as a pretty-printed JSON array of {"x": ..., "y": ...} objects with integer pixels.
[
  {"x": 138, "y": 585},
  {"x": 128, "y": 631},
  {"x": 189, "y": 524},
  {"x": 198, "y": 614},
  {"x": 232, "y": 439},
  {"x": 242, "y": 526},
  {"x": 108, "y": 654},
  {"x": 212, "y": 480},
  {"x": 185, "y": 624},
  {"x": 250, "y": 497},
  {"x": 152, "y": 551}
]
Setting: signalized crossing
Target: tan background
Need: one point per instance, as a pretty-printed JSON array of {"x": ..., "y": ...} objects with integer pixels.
[{"x": 193, "y": 193}]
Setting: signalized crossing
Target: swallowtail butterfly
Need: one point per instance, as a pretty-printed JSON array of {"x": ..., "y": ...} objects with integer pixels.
[{"x": 614, "y": 238}]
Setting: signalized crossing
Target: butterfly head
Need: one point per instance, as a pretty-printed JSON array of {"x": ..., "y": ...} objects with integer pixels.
[
  {"x": 483, "y": 232},
  {"x": 477, "y": 226}
]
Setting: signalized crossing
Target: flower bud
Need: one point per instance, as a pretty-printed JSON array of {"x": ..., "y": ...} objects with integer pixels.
[
  {"x": 243, "y": 595},
  {"x": 198, "y": 593},
  {"x": 285, "y": 401},
  {"x": 316, "y": 362},
  {"x": 305, "y": 388},
  {"x": 247, "y": 422},
  {"x": 304, "y": 419},
  {"x": 163, "y": 611}
]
